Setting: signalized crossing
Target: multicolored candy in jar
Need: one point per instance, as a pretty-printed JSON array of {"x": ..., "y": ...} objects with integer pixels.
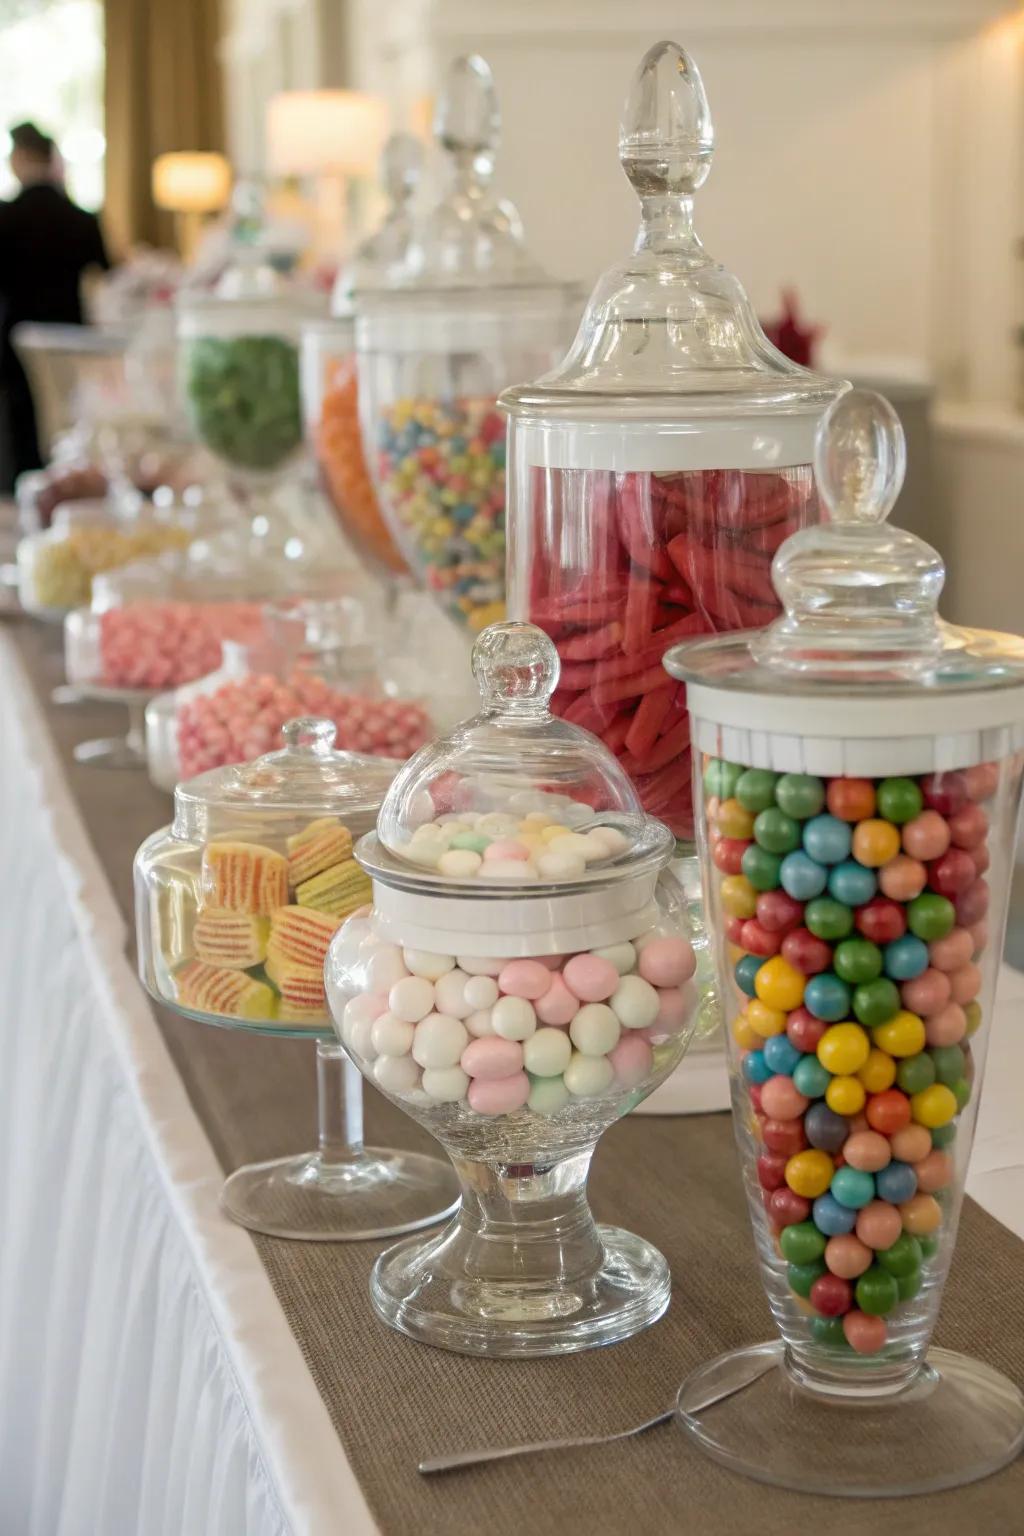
[{"x": 859, "y": 785}]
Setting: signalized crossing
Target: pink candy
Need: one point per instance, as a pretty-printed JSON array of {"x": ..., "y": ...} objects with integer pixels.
[
  {"x": 162, "y": 645},
  {"x": 590, "y": 978},
  {"x": 926, "y": 993},
  {"x": 492, "y": 1058},
  {"x": 498, "y": 1097},
  {"x": 667, "y": 962},
  {"x": 632, "y": 1059},
  {"x": 525, "y": 978},
  {"x": 558, "y": 1005}
]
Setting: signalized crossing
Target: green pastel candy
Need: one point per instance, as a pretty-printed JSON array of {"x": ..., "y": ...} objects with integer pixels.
[
  {"x": 802, "y": 1243},
  {"x": 877, "y": 1292},
  {"x": 755, "y": 789}
]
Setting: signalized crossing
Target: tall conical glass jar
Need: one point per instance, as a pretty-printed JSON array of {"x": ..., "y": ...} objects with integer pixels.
[
  {"x": 469, "y": 314},
  {"x": 858, "y": 772},
  {"x": 654, "y": 471}
]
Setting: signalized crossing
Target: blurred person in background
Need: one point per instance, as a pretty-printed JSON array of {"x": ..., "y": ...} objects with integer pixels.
[{"x": 46, "y": 244}]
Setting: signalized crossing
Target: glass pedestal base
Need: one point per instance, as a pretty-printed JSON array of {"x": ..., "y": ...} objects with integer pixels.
[
  {"x": 376, "y": 1193},
  {"x": 110, "y": 752},
  {"x": 952, "y": 1423},
  {"x": 427, "y": 1288}
]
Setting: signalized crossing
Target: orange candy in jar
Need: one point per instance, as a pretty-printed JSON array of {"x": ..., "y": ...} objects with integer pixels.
[{"x": 346, "y": 479}]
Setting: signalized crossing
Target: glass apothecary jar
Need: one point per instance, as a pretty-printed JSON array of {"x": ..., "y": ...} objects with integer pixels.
[
  {"x": 57, "y": 567},
  {"x": 236, "y": 903},
  {"x": 656, "y": 469},
  {"x": 858, "y": 772},
  {"x": 521, "y": 981},
  {"x": 468, "y": 314}
]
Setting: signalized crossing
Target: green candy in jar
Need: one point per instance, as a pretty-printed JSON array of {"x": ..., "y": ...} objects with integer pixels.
[{"x": 243, "y": 393}]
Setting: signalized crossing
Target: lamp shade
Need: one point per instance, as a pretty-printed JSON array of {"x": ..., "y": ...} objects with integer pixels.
[
  {"x": 191, "y": 181},
  {"x": 320, "y": 133}
]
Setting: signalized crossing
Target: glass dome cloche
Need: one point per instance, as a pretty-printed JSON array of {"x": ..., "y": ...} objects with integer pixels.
[
  {"x": 467, "y": 313},
  {"x": 521, "y": 980},
  {"x": 654, "y": 471},
  {"x": 236, "y": 903},
  {"x": 857, "y": 769}
]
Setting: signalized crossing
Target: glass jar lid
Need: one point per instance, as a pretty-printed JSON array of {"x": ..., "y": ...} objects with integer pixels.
[
  {"x": 668, "y": 331},
  {"x": 515, "y": 797},
  {"x": 306, "y": 777},
  {"x": 380, "y": 260},
  {"x": 859, "y": 651}
]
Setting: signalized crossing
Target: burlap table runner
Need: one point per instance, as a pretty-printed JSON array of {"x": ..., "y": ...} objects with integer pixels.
[{"x": 393, "y": 1401}]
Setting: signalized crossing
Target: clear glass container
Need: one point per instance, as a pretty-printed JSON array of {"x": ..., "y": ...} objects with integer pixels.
[
  {"x": 858, "y": 770},
  {"x": 236, "y": 902},
  {"x": 655, "y": 470},
  {"x": 521, "y": 981},
  {"x": 57, "y": 567},
  {"x": 330, "y": 388},
  {"x": 467, "y": 314}
]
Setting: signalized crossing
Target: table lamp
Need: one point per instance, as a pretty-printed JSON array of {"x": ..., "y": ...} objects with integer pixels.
[
  {"x": 190, "y": 184},
  {"x": 328, "y": 136}
]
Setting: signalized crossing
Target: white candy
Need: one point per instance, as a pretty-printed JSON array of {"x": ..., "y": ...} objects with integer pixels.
[
  {"x": 429, "y": 832},
  {"x": 498, "y": 824},
  {"x": 421, "y": 962},
  {"x": 391, "y": 1036},
  {"x": 426, "y": 853},
  {"x": 622, "y": 956},
  {"x": 548, "y": 1095},
  {"x": 384, "y": 967},
  {"x": 410, "y": 999},
  {"x": 587, "y": 1076},
  {"x": 595, "y": 1030},
  {"x": 513, "y": 1018},
  {"x": 439, "y": 1041},
  {"x": 360, "y": 1040},
  {"x": 614, "y": 840},
  {"x": 635, "y": 1003},
  {"x": 560, "y": 866},
  {"x": 480, "y": 965},
  {"x": 574, "y": 812},
  {"x": 453, "y": 820},
  {"x": 574, "y": 843},
  {"x": 508, "y": 869},
  {"x": 479, "y": 992},
  {"x": 547, "y": 1053},
  {"x": 459, "y": 863},
  {"x": 480, "y": 1023},
  {"x": 450, "y": 992},
  {"x": 597, "y": 844},
  {"x": 396, "y": 1074},
  {"x": 446, "y": 1085},
  {"x": 358, "y": 1010},
  {"x": 539, "y": 819}
]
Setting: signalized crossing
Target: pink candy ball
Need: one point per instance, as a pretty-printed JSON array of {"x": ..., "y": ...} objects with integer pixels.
[
  {"x": 558, "y": 1005},
  {"x": 968, "y": 827},
  {"x": 667, "y": 962},
  {"x": 926, "y": 993},
  {"x": 490, "y": 1059},
  {"x": 947, "y": 1027},
  {"x": 524, "y": 978},
  {"x": 979, "y": 933},
  {"x": 879, "y": 1224},
  {"x": 506, "y": 848},
  {"x": 590, "y": 978},
  {"x": 934, "y": 1172},
  {"x": 865, "y": 1333},
  {"x": 632, "y": 1059},
  {"x": 867, "y": 1150},
  {"x": 965, "y": 983},
  {"x": 781, "y": 1099},
  {"x": 847, "y": 1256},
  {"x": 952, "y": 952},
  {"x": 672, "y": 1013},
  {"x": 902, "y": 878},
  {"x": 926, "y": 836},
  {"x": 982, "y": 780},
  {"x": 502, "y": 1096}
]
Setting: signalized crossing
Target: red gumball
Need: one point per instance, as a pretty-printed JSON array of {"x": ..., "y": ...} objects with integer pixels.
[
  {"x": 756, "y": 940},
  {"x": 734, "y": 929},
  {"x": 981, "y": 858},
  {"x": 952, "y": 873},
  {"x": 785, "y": 1136},
  {"x": 831, "y": 1295},
  {"x": 786, "y": 1208},
  {"x": 771, "y": 1170},
  {"x": 881, "y": 920},
  {"x": 944, "y": 792},
  {"x": 727, "y": 854},
  {"x": 778, "y": 912},
  {"x": 805, "y": 952},
  {"x": 972, "y": 904},
  {"x": 803, "y": 1030},
  {"x": 968, "y": 827},
  {"x": 888, "y": 1112},
  {"x": 755, "y": 1097}
]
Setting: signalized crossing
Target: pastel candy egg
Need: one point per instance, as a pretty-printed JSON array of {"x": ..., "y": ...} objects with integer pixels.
[
  {"x": 513, "y": 1018},
  {"x": 524, "y": 978},
  {"x": 385, "y": 966},
  {"x": 590, "y": 978},
  {"x": 479, "y": 1023},
  {"x": 459, "y": 863},
  {"x": 667, "y": 962},
  {"x": 614, "y": 841},
  {"x": 560, "y": 866},
  {"x": 411, "y": 999},
  {"x": 672, "y": 1012},
  {"x": 635, "y": 1003},
  {"x": 499, "y": 1096},
  {"x": 439, "y": 1041},
  {"x": 396, "y": 1074},
  {"x": 480, "y": 991},
  {"x": 497, "y": 824},
  {"x": 492, "y": 1058},
  {"x": 360, "y": 1040},
  {"x": 450, "y": 994},
  {"x": 586, "y": 1076},
  {"x": 505, "y": 848},
  {"x": 362, "y": 1009},
  {"x": 391, "y": 1035},
  {"x": 479, "y": 965},
  {"x": 622, "y": 956},
  {"x": 548, "y": 1096},
  {"x": 547, "y": 1053},
  {"x": 447, "y": 1085},
  {"x": 558, "y": 1005},
  {"x": 578, "y": 844},
  {"x": 847, "y": 1256},
  {"x": 595, "y": 1030},
  {"x": 421, "y": 962},
  {"x": 879, "y": 1224}
]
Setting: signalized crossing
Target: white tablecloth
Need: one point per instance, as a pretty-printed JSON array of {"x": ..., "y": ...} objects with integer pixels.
[{"x": 149, "y": 1385}]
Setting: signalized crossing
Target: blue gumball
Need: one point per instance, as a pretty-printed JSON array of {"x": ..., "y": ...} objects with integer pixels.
[
  {"x": 811, "y": 1077},
  {"x": 801, "y": 876},
  {"x": 781, "y": 1054},
  {"x": 745, "y": 973},
  {"x": 905, "y": 958},
  {"x": 755, "y": 1069},
  {"x": 832, "y": 1218},
  {"x": 827, "y": 997},
  {"x": 827, "y": 839},
  {"x": 851, "y": 883},
  {"x": 852, "y": 1187},
  {"x": 896, "y": 1182}
]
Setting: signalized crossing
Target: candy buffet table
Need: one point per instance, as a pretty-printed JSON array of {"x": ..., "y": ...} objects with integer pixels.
[{"x": 166, "y": 1374}]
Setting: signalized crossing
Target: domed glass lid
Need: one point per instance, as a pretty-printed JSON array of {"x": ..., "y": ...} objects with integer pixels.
[
  {"x": 514, "y": 796},
  {"x": 860, "y": 602},
  {"x": 380, "y": 260},
  {"x": 307, "y": 776},
  {"x": 669, "y": 321},
  {"x": 249, "y": 289}
]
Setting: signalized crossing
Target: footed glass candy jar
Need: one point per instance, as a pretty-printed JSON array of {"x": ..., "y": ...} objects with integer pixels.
[
  {"x": 521, "y": 981},
  {"x": 236, "y": 903},
  {"x": 654, "y": 472},
  {"x": 858, "y": 776}
]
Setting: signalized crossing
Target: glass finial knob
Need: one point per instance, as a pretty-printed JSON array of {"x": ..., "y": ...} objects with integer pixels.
[
  {"x": 310, "y": 732},
  {"x": 860, "y": 457},
  {"x": 515, "y": 667},
  {"x": 467, "y": 118},
  {"x": 666, "y": 138},
  {"x": 401, "y": 165}
]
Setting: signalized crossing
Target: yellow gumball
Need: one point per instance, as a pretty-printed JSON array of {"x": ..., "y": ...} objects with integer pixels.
[
  {"x": 738, "y": 896},
  {"x": 922, "y": 1215},
  {"x": 744, "y": 1034},
  {"x": 933, "y": 1106},
  {"x": 879, "y": 1071},
  {"x": 809, "y": 1173},
  {"x": 875, "y": 842},
  {"x": 733, "y": 821},
  {"x": 766, "y": 1021},
  {"x": 903, "y": 1035},
  {"x": 846, "y": 1095},
  {"x": 843, "y": 1049},
  {"x": 780, "y": 985}
]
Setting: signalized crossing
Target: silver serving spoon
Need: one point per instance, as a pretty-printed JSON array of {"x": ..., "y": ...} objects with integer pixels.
[{"x": 475, "y": 1458}]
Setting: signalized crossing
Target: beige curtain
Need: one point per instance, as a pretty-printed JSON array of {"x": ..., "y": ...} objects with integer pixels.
[{"x": 163, "y": 92}]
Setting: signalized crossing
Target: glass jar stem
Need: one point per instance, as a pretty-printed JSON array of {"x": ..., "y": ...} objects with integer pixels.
[
  {"x": 339, "y": 1100},
  {"x": 135, "y": 736}
]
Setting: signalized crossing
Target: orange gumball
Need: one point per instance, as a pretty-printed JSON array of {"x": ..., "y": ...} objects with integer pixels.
[
  {"x": 922, "y": 1215},
  {"x": 912, "y": 1144},
  {"x": 875, "y": 842},
  {"x": 888, "y": 1112},
  {"x": 851, "y": 799}
]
